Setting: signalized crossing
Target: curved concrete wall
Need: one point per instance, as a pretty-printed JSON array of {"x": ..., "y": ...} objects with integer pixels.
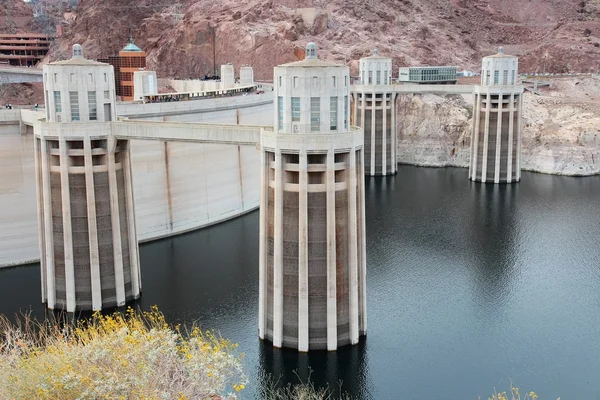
[
  {"x": 203, "y": 184},
  {"x": 179, "y": 187}
]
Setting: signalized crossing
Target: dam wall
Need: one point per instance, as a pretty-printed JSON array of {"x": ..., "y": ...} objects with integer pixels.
[{"x": 178, "y": 186}]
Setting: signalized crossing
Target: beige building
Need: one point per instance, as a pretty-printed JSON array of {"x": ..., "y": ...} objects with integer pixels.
[
  {"x": 312, "y": 218},
  {"x": 496, "y": 140},
  {"x": 87, "y": 233},
  {"x": 374, "y": 109}
]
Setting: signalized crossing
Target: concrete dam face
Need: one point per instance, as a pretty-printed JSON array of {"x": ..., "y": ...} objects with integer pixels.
[{"x": 177, "y": 186}]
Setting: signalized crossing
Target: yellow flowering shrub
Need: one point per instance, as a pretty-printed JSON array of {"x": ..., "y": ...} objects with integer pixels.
[{"x": 130, "y": 356}]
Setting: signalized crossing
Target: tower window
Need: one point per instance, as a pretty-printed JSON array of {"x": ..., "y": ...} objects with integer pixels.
[
  {"x": 280, "y": 113},
  {"x": 57, "y": 103},
  {"x": 92, "y": 106},
  {"x": 280, "y": 81},
  {"x": 378, "y": 77},
  {"x": 370, "y": 78},
  {"x": 74, "y": 100},
  {"x": 295, "y": 81},
  {"x": 346, "y": 112},
  {"x": 496, "y": 77},
  {"x": 333, "y": 77},
  {"x": 295, "y": 109},
  {"x": 333, "y": 113},
  {"x": 315, "y": 110},
  {"x": 385, "y": 77},
  {"x": 505, "y": 77}
]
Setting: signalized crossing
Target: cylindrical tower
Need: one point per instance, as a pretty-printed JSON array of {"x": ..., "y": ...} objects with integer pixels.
[
  {"x": 312, "y": 222},
  {"x": 374, "y": 102},
  {"x": 246, "y": 75},
  {"x": 227, "y": 76},
  {"x": 88, "y": 241},
  {"x": 497, "y": 111}
]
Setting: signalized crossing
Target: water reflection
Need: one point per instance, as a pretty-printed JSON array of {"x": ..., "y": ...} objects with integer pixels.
[
  {"x": 345, "y": 369},
  {"x": 468, "y": 285}
]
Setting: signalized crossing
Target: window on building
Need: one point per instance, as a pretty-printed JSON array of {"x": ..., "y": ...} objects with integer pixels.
[
  {"x": 345, "y": 80},
  {"x": 280, "y": 112},
  {"x": 385, "y": 77},
  {"x": 92, "y": 106},
  {"x": 362, "y": 77},
  {"x": 57, "y": 103},
  {"x": 280, "y": 81},
  {"x": 295, "y": 81},
  {"x": 91, "y": 78},
  {"x": 514, "y": 82},
  {"x": 487, "y": 78},
  {"x": 107, "y": 94},
  {"x": 315, "y": 82},
  {"x": 55, "y": 78},
  {"x": 378, "y": 81},
  {"x": 74, "y": 100},
  {"x": 370, "y": 77},
  {"x": 72, "y": 78},
  {"x": 315, "y": 110},
  {"x": 346, "y": 112},
  {"x": 505, "y": 77},
  {"x": 333, "y": 78},
  {"x": 295, "y": 109},
  {"x": 333, "y": 113},
  {"x": 496, "y": 77},
  {"x": 105, "y": 78}
]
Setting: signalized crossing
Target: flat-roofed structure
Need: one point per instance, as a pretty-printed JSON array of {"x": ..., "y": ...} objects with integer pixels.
[
  {"x": 23, "y": 49},
  {"x": 497, "y": 113},
  {"x": 427, "y": 75}
]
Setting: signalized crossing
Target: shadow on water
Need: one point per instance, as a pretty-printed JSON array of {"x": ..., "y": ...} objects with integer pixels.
[{"x": 345, "y": 369}]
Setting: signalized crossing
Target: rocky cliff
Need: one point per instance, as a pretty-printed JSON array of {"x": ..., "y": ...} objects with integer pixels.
[
  {"x": 561, "y": 132},
  {"x": 556, "y": 35}
]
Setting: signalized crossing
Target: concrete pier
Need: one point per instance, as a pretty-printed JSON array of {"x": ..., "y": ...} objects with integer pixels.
[
  {"x": 374, "y": 109},
  {"x": 497, "y": 127},
  {"x": 312, "y": 231},
  {"x": 88, "y": 239}
]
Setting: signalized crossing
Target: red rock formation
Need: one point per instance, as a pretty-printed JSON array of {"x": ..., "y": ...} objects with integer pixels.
[{"x": 557, "y": 35}]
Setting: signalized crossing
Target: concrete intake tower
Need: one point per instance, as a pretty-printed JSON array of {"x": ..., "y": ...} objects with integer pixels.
[
  {"x": 312, "y": 213},
  {"x": 87, "y": 234},
  {"x": 374, "y": 110},
  {"x": 496, "y": 140}
]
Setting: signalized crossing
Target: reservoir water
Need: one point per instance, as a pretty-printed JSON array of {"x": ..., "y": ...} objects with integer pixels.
[{"x": 469, "y": 286}]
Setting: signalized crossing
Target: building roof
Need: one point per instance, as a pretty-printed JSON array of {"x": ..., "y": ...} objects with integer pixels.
[
  {"x": 311, "y": 62},
  {"x": 500, "y": 54},
  {"x": 78, "y": 61},
  {"x": 375, "y": 56},
  {"x": 131, "y": 47}
]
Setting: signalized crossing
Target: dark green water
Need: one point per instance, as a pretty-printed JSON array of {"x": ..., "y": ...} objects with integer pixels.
[{"x": 468, "y": 287}]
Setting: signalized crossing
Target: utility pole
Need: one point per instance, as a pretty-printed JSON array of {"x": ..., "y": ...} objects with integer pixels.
[{"x": 214, "y": 32}]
